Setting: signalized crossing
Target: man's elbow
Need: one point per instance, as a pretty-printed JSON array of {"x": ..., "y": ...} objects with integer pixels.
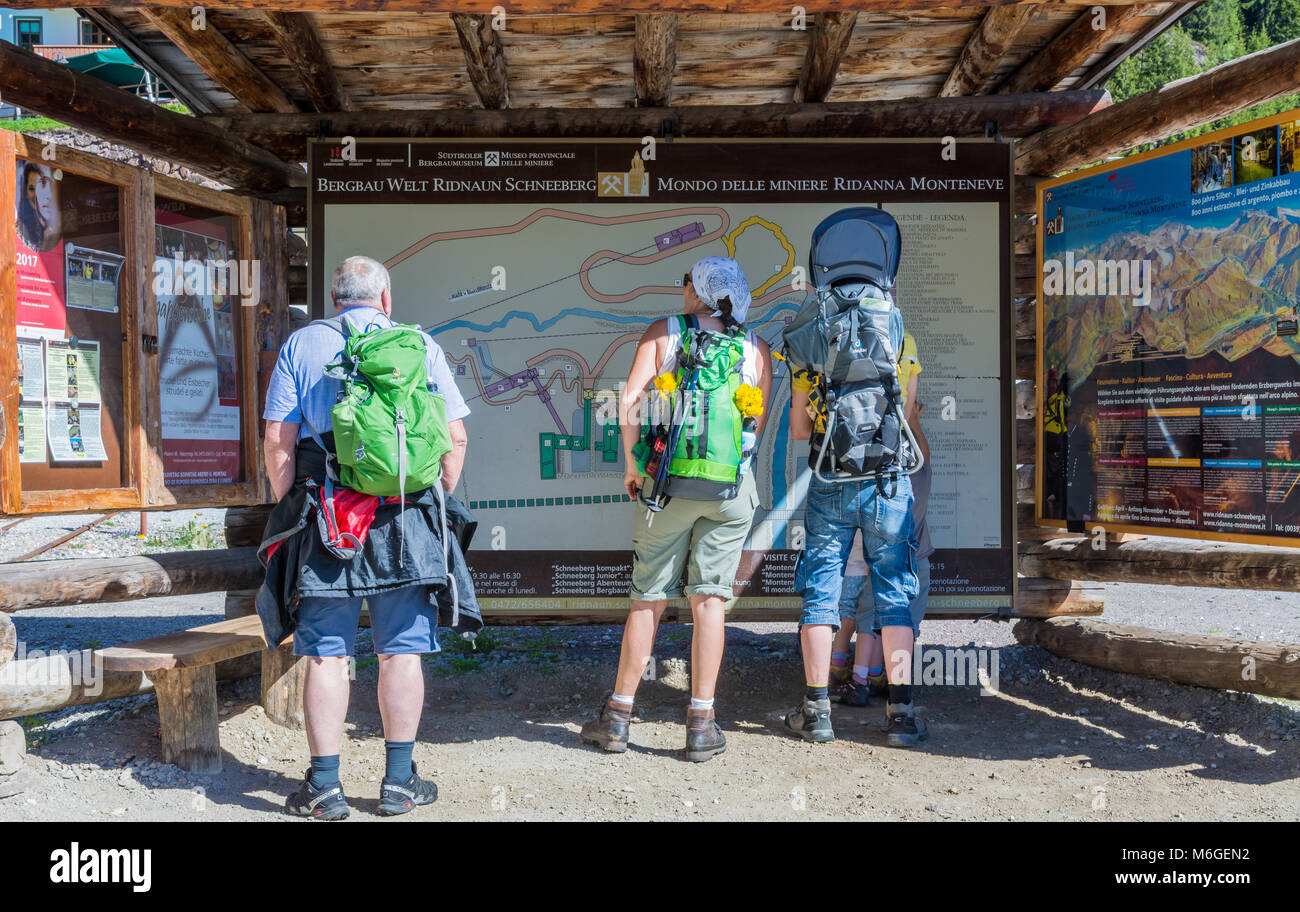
[{"x": 459, "y": 436}]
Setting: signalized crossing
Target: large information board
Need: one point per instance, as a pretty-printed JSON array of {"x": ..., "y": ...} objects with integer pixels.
[
  {"x": 537, "y": 265},
  {"x": 1169, "y": 358}
]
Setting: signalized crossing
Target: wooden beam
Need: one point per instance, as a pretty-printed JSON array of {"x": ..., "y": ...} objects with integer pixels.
[
  {"x": 654, "y": 59},
  {"x": 43, "y": 584},
  {"x": 1160, "y": 113},
  {"x": 1041, "y": 598},
  {"x": 1070, "y": 50},
  {"x": 1168, "y": 561},
  {"x": 223, "y": 63},
  {"x": 830, "y": 38},
  {"x": 297, "y": 38},
  {"x": 8, "y": 639},
  {"x": 1271, "y": 669},
  {"x": 1017, "y": 115},
  {"x": 1159, "y": 24},
  {"x": 193, "y": 99},
  {"x": 86, "y": 103},
  {"x": 569, "y": 7},
  {"x": 979, "y": 59},
  {"x": 485, "y": 59}
]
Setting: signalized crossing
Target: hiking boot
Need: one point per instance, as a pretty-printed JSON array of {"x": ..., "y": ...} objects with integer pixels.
[
  {"x": 704, "y": 738},
  {"x": 812, "y": 721},
  {"x": 878, "y": 685},
  {"x": 851, "y": 693},
  {"x": 840, "y": 674},
  {"x": 319, "y": 804},
  {"x": 906, "y": 728},
  {"x": 396, "y": 797},
  {"x": 608, "y": 730}
]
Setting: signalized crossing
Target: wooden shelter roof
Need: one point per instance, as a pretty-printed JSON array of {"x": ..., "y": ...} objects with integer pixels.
[{"x": 396, "y": 59}]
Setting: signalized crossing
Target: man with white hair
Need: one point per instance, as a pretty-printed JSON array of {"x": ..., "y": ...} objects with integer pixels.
[{"x": 315, "y": 588}]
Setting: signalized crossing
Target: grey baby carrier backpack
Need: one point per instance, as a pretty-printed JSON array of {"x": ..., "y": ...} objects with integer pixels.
[{"x": 841, "y": 338}]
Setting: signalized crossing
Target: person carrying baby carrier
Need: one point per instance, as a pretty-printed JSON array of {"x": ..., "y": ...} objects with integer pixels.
[
  {"x": 843, "y": 348},
  {"x": 700, "y": 381}
]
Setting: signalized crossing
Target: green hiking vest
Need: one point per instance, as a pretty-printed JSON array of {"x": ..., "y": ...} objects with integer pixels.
[
  {"x": 709, "y": 441},
  {"x": 390, "y": 429}
]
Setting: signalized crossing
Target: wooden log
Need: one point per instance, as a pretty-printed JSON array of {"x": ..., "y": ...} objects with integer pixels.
[
  {"x": 1168, "y": 561},
  {"x": 1071, "y": 49},
  {"x": 44, "y": 584},
  {"x": 86, "y": 103},
  {"x": 485, "y": 60},
  {"x": 241, "y": 603},
  {"x": 220, "y": 60},
  {"x": 654, "y": 58},
  {"x": 245, "y": 525},
  {"x": 1026, "y": 440},
  {"x": 1026, "y": 359},
  {"x": 1016, "y": 115},
  {"x": 570, "y": 7},
  {"x": 831, "y": 33},
  {"x": 294, "y": 34},
  {"x": 284, "y": 675},
  {"x": 1025, "y": 233},
  {"x": 1040, "y": 598},
  {"x": 1025, "y": 199},
  {"x": 1026, "y": 399},
  {"x": 990, "y": 41},
  {"x": 1269, "y": 669},
  {"x": 1160, "y": 113},
  {"x": 42, "y": 684},
  {"x": 187, "y": 715},
  {"x": 8, "y": 639}
]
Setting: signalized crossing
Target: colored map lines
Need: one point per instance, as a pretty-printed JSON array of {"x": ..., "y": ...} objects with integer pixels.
[{"x": 550, "y": 444}]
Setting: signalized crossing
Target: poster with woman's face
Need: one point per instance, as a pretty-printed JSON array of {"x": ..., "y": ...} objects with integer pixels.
[{"x": 40, "y": 224}]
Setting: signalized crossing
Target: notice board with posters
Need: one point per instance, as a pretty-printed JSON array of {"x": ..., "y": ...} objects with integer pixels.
[
  {"x": 536, "y": 265},
  {"x": 125, "y": 370},
  {"x": 1169, "y": 352}
]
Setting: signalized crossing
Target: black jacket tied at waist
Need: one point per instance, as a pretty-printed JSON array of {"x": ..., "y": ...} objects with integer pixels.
[{"x": 391, "y": 557}]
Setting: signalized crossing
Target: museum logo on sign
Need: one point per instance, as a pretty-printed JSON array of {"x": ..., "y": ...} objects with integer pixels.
[
  {"x": 1053, "y": 227},
  {"x": 633, "y": 182},
  {"x": 1122, "y": 278}
]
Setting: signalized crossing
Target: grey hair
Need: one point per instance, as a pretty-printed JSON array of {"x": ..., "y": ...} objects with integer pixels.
[{"x": 359, "y": 280}]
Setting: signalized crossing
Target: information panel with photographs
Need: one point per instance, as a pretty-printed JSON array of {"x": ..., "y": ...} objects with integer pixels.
[
  {"x": 194, "y": 276},
  {"x": 1169, "y": 352},
  {"x": 69, "y": 329},
  {"x": 537, "y": 265}
]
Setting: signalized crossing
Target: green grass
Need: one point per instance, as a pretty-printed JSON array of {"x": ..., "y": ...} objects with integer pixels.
[
  {"x": 31, "y": 124},
  {"x": 36, "y": 729},
  {"x": 485, "y": 642},
  {"x": 193, "y": 536},
  {"x": 462, "y": 664}
]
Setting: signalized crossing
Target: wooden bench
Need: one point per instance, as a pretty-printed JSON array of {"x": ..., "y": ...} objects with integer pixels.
[{"x": 182, "y": 667}]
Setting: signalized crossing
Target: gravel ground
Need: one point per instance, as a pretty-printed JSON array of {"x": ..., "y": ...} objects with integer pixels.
[{"x": 1057, "y": 741}]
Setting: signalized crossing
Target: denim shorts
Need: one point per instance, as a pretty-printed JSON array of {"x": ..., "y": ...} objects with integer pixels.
[
  {"x": 833, "y": 514},
  {"x": 401, "y": 621},
  {"x": 857, "y": 604}
]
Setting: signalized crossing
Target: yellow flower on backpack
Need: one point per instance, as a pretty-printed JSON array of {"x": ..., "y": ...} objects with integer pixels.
[
  {"x": 666, "y": 383},
  {"x": 749, "y": 401}
]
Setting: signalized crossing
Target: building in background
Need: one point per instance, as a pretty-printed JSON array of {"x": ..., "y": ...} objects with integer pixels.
[{"x": 65, "y": 35}]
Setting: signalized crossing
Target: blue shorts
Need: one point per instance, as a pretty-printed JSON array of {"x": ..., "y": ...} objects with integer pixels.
[
  {"x": 401, "y": 621},
  {"x": 862, "y": 611},
  {"x": 833, "y": 514}
]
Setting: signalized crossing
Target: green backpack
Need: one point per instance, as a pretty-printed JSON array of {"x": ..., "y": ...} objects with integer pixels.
[
  {"x": 390, "y": 429},
  {"x": 706, "y": 459}
]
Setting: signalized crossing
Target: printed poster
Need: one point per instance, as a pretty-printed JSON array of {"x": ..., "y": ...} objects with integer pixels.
[
  {"x": 73, "y": 401},
  {"x": 1169, "y": 343},
  {"x": 197, "y": 347}
]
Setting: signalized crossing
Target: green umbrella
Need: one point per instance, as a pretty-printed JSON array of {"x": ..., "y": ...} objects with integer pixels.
[{"x": 111, "y": 65}]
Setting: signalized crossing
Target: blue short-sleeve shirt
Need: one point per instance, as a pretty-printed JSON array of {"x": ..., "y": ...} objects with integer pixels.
[{"x": 300, "y": 390}]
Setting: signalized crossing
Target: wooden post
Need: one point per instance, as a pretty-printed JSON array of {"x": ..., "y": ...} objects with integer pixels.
[
  {"x": 187, "y": 713},
  {"x": 1039, "y": 598},
  {"x": 654, "y": 57},
  {"x": 831, "y": 34},
  {"x": 284, "y": 675},
  {"x": 8, "y": 639},
  {"x": 1271, "y": 669}
]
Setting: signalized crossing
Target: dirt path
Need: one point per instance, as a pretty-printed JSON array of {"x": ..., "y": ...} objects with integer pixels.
[{"x": 1057, "y": 742}]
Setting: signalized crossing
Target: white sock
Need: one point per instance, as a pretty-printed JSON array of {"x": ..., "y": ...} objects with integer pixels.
[
  {"x": 860, "y": 672},
  {"x": 620, "y": 698},
  {"x": 701, "y": 704}
]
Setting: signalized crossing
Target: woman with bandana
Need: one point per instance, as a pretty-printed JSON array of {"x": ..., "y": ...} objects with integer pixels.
[{"x": 702, "y": 537}]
